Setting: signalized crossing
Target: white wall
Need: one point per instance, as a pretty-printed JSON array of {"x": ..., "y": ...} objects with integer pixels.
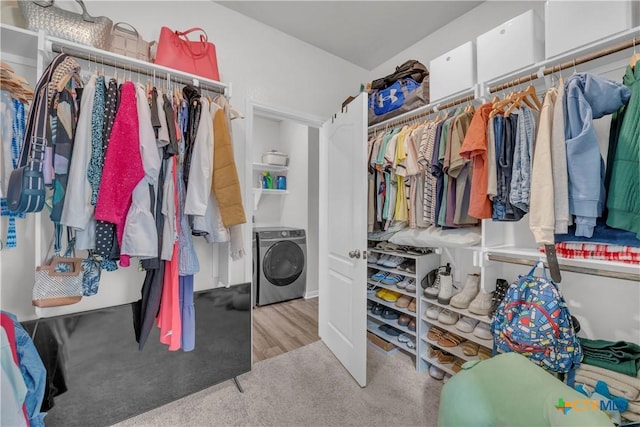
[
  {"x": 261, "y": 63},
  {"x": 295, "y": 142}
]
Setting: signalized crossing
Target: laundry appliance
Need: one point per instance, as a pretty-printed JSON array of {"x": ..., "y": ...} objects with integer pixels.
[{"x": 280, "y": 264}]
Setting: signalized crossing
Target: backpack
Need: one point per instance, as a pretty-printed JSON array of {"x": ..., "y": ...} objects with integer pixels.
[
  {"x": 533, "y": 319},
  {"x": 411, "y": 68}
]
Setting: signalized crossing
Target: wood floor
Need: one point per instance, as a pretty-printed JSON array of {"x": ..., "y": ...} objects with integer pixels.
[{"x": 279, "y": 328}]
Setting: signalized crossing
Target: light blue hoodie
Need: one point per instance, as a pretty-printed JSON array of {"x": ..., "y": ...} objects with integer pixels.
[{"x": 588, "y": 97}]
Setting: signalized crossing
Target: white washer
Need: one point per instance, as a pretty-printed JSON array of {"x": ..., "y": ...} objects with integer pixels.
[{"x": 282, "y": 264}]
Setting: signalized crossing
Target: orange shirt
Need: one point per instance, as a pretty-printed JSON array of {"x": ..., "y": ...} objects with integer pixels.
[{"x": 474, "y": 147}]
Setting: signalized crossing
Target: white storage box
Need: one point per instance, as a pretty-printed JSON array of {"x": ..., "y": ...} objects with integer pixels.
[
  {"x": 516, "y": 44},
  {"x": 572, "y": 24},
  {"x": 277, "y": 158},
  {"x": 452, "y": 72}
]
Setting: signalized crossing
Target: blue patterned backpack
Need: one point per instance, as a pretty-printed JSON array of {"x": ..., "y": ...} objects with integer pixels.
[{"x": 533, "y": 319}]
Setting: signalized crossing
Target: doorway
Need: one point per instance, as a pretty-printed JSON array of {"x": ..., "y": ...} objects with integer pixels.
[{"x": 294, "y": 137}]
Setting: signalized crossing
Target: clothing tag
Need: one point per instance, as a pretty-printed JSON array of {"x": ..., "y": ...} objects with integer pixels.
[{"x": 552, "y": 262}]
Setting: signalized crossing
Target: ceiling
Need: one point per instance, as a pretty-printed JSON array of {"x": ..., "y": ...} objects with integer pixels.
[{"x": 365, "y": 33}]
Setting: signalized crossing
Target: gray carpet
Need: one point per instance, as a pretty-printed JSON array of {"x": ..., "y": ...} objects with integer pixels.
[{"x": 309, "y": 387}]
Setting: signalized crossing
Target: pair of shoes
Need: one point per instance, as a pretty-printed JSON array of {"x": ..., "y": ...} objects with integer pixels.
[
  {"x": 391, "y": 261},
  {"x": 412, "y": 305},
  {"x": 392, "y": 279},
  {"x": 387, "y": 295},
  {"x": 408, "y": 284},
  {"x": 445, "y": 357},
  {"x": 377, "y": 309},
  {"x": 457, "y": 365},
  {"x": 389, "y": 314},
  {"x": 448, "y": 317},
  {"x": 449, "y": 340},
  {"x": 372, "y": 257},
  {"x": 484, "y": 353},
  {"x": 466, "y": 324},
  {"x": 404, "y": 320},
  {"x": 407, "y": 339},
  {"x": 481, "y": 304},
  {"x": 435, "y": 333},
  {"x": 431, "y": 282},
  {"x": 470, "y": 348},
  {"x": 482, "y": 330},
  {"x": 412, "y": 325},
  {"x": 370, "y": 304},
  {"x": 436, "y": 373},
  {"x": 468, "y": 293},
  {"x": 389, "y": 330},
  {"x": 403, "y": 301},
  {"x": 432, "y": 312},
  {"x": 408, "y": 265},
  {"x": 379, "y": 276}
]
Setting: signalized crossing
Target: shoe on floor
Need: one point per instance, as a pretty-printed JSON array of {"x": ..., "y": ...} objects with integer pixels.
[
  {"x": 482, "y": 331},
  {"x": 436, "y": 373},
  {"x": 448, "y": 317},
  {"x": 481, "y": 304},
  {"x": 432, "y": 312},
  {"x": 466, "y": 324},
  {"x": 468, "y": 293}
]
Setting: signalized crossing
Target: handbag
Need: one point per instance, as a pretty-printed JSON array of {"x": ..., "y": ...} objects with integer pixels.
[
  {"x": 59, "y": 280},
  {"x": 176, "y": 51},
  {"x": 80, "y": 28},
  {"x": 128, "y": 42}
]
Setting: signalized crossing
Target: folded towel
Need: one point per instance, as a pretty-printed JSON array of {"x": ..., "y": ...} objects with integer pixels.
[
  {"x": 631, "y": 416},
  {"x": 606, "y": 374},
  {"x": 621, "y": 356},
  {"x": 615, "y": 387},
  {"x": 634, "y": 406}
]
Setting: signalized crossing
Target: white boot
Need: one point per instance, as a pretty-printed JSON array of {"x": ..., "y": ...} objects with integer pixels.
[
  {"x": 469, "y": 292},
  {"x": 446, "y": 288}
]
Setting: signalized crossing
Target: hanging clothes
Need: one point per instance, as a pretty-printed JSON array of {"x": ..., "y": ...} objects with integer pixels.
[
  {"x": 623, "y": 201},
  {"x": 588, "y": 97},
  {"x": 562, "y": 218}
]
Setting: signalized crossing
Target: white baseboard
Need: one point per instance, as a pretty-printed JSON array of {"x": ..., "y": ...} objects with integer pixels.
[{"x": 312, "y": 294}]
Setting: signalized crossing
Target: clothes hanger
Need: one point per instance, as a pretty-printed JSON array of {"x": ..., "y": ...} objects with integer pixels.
[{"x": 635, "y": 57}]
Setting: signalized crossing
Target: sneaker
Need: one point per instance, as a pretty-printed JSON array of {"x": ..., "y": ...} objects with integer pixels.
[
  {"x": 371, "y": 289},
  {"x": 448, "y": 317},
  {"x": 432, "y": 312},
  {"x": 436, "y": 373},
  {"x": 466, "y": 324},
  {"x": 411, "y": 286},
  {"x": 481, "y": 304},
  {"x": 468, "y": 293},
  {"x": 372, "y": 257},
  {"x": 380, "y": 275},
  {"x": 382, "y": 259},
  {"x": 498, "y": 295},
  {"x": 392, "y": 279},
  {"x": 394, "y": 261},
  {"x": 482, "y": 331},
  {"x": 403, "y": 284}
]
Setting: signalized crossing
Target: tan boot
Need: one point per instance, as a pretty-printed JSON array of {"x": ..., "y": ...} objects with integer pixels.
[{"x": 469, "y": 292}]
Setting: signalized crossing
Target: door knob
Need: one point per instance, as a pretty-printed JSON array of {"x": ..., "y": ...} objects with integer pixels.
[{"x": 354, "y": 254}]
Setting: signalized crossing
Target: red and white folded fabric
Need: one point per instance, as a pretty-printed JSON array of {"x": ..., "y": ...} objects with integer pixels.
[{"x": 619, "y": 253}]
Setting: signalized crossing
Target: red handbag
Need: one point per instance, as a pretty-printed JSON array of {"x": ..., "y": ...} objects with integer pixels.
[{"x": 176, "y": 51}]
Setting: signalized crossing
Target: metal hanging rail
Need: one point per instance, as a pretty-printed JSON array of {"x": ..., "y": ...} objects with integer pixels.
[
  {"x": 568, "y": 64},
  {"x": 425, "y": 113},
  {"x": 571, "y": 268}
]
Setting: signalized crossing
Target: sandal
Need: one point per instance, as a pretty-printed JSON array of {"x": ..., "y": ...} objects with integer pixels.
[
  {"x": 445, "y": 357},
  {"x": 403, "y": 301},
  {"x": 435, "y": 333},
  {"x": 434, "y": 353},
  {"x": 412, "y": 305},
  {"x": 470, "y": 348},
  {"x": 450, "y": 340},
  {"x": 457, "y": 365}
]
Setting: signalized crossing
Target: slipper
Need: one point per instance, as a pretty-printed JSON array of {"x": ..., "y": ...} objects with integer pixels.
[
  {"x": 403, "y": 301},
  {"x": 484, "y": 353},
  {"x": 412, "y": 325},
  {"x": 390, "y": 314},
  {"x": 470, "y": 348},
  {"x": 412, "y": 305},
  {"x": 434, "y": 353},
  {"x": 411, "y": 344},
  {"x": 377, "y": 309},
  {"x": 390, "y": 296},
  {"x": 445, "y": 357},
  {"x": 404, "y": 320},
  {"x": 435, "y": 333},
  {"x": 381, "y": 292},
  {"x": 391, "y": 331},
  {"x": 371, "y": 289},
  {"x": 404, "y": 338},
  {"x": 391, "y": 247},
  {"x": 450, "y": 340}
]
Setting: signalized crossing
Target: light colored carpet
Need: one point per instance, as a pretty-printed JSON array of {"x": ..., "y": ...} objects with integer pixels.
[{"x": 309, "y": 387}]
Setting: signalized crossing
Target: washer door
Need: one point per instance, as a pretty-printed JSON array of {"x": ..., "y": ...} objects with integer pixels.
[{"x": 283, "y": 263}]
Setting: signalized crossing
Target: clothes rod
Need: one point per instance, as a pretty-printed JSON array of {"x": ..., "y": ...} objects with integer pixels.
[
  {"x": 582, "y": 270},
  {"x": 568, "y": 64},
  {"x": 132, "y": 67},
  {"x": 409, "y": 119}
]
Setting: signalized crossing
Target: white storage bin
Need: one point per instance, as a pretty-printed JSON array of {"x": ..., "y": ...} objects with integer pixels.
[
  {"x": 452, "y": 72},
  {"x": 516, "y": 44},
  {"x": 572, "y": 24},
  {"x": 276, "y": 158}
]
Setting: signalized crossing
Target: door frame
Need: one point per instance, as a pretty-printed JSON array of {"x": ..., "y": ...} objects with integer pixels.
[{"x": 255, "y": 108}]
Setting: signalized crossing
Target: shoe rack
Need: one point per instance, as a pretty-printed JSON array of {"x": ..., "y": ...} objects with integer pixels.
[
  {"x": 421, "y": 264},
  {"x": 431, "y": 346}
]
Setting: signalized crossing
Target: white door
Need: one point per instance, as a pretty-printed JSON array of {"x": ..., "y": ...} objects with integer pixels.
[{"x": 342, "y": 313}]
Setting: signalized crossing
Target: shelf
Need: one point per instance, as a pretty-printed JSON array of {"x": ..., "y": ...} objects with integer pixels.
[
  {"x": 391, "y": 288},
  {"x": 390, "y": 322},
  {"x": 528, "y": 256},
  {"x": 465, "y": 335},
  {"x": 400, "y": 253},
  {"x": 17, "y": 44},
  {"x": 373, "y": 328},
  {"x": 445, "y": 367},
  {"x": 462, "y": 311},
  {"x": 374, "y": 298},
  {"x": 258, "y": 192},
  {"x": 391, "y": 270},
  {"x": 456, "y": 351},
  {"x": 270, "y": 168}
]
